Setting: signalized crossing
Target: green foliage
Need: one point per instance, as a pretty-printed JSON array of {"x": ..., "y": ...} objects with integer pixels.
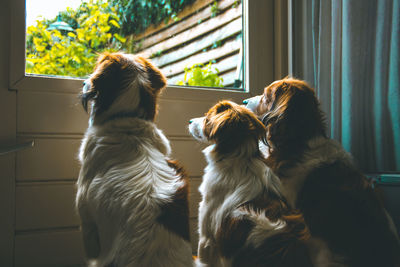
[
  {"x": 200, "y": 75},
  {"x": 214, "y": 9},
  {"x": 216, "y": 44},
  {"x": 137, "y": 15},
  {"x": 73, "y": 53},
  {"x": 236, "y": 3}
]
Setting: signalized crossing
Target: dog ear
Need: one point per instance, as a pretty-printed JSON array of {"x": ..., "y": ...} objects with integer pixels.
[
  {"x": 216, "y": 119},
  {"x": 156, "y": 78},
  {"x": 230, "y": 124},
  {"x": 106, "y": 80},
  {"x": 294, "y": 116},
  {"x": 150, "y": 87},
  {"x": 257, "y": 128}
]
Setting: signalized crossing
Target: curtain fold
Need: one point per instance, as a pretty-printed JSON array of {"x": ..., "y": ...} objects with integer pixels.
[{"x": 349, "y": 51}]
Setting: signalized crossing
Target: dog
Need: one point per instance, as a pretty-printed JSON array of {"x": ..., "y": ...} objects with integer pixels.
[
  {"x": 347, "y": 221},
  {"x": 131, "y": 198},
  {"x": 243, "y": 220}
]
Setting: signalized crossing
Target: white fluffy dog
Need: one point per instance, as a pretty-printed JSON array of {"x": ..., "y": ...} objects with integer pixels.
[
  {"x": 243, "y": 221},
  {"x": 132, "y": 200}
]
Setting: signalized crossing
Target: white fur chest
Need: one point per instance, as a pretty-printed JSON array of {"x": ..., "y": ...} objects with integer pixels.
[{"x": 229, "y": 183}]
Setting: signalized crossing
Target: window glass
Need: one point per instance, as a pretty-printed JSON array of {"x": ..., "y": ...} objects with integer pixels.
[{"x": 193, "y": 42}]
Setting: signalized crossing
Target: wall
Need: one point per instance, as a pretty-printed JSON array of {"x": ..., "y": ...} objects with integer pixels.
[{"x": 7, "y": 138}]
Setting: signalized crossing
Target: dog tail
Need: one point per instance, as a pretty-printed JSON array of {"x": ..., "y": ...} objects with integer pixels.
[
  {"x": 264, "y": 235},
  {"x": 275, "y": 243}
]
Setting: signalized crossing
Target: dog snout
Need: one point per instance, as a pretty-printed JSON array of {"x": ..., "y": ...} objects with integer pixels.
[
  {"x": 196, "y": 128},
  {"x": 252, "y": 103},
  {"x": 86, "y": 86}
]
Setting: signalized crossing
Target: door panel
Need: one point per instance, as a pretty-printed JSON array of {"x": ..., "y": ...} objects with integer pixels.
[
  {"x": 188, "y": 152},
  {"x": 56, "y": 159},
  {"x": 173, "y": 116},
  {"x": 46, "y": 221},
  {"x": 48, "y": 111},
  {"x": 45, "y": 206},
  {"x": 41, "y": 112},
  {"x": 53, "y": 248},
  {"x": 51, "y": 159}
]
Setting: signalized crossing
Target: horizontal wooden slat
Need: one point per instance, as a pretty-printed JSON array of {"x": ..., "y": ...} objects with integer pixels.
[
  {"x": 223, "y": 33},
  {"x": 173, "y": 116},
  {"x": 190, "y": 155},
  {"x": 46, "y": 205},
  {"x": 49, "y": 159},
  {"x": 49, "y": 205},
  {"x": 229, "y": 78},
  {"x": 194, "y": 32},
  {"x": 202, "y": 58},
  {"x": 184, "y": 24},
  {"x": 187, "y": 11},
  {"x": 56, "y": 159},
  {"x": 228, "y": 64},
  {"x": 65, "y": 116},
  {"x": 62, "y": 248},
  {"x": 50, "y": 113}
]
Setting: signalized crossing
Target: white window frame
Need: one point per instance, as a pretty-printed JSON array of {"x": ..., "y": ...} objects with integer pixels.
[{"x": 266, "y": 53}]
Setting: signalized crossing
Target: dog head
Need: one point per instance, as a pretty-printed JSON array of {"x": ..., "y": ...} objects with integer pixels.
[
  {"x": 290, "y": 111},
  {"x": 229, "y": 126},
  {"x": 122, "y": 84}
]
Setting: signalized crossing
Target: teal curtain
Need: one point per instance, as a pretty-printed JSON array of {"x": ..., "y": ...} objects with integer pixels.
[{"x": 349, "y": 51}]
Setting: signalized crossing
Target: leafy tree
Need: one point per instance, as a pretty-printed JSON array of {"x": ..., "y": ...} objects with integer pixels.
[
  {"x": 200, "y": 75},
  {"x": 73, "y": 53}
]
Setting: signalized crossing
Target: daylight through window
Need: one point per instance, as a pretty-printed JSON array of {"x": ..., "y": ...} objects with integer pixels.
[{"x": 193, "y": 42}]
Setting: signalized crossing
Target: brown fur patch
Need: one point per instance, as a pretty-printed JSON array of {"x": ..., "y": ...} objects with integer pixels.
[
  {"x": 175, "y": 214},
  {"x": 229, "y": 125},
  {"x": 294, "y": 254},
  {"x": 232, "y": 235},
  {"x": 112, "y": 75},
  {"x": 276, "y": 208},
  {"x": 149, "y": 92},
  {"x": 337, "y": 204},
  {"x": 341, "y": 209},
  {"x": 282, "y": 249},
  {"x": 156, "y": 78},
  {"x": 111, "y": 71},
  {"x": 293, "y": 117}
]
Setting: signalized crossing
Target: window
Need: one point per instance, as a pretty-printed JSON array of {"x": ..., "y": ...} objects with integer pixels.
[
  {"x": 194, "y": 42},
  {"x": 264, "y": 53}
]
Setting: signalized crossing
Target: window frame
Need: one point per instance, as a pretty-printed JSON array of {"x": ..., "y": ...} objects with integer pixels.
[{"x": 265, "y": 46}]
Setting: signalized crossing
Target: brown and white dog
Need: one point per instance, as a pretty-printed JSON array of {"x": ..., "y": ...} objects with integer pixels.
[
  {"x": 243, "y": 220},
  {"x": 347, "y": 221},
  {"x": 131, "y": 198}
]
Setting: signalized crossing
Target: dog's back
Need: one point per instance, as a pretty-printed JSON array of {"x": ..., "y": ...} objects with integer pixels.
[
  {"x": 244, "y": 221},
  {"x": 348, "y": 224},
  {"x": 132, "y": 200},
  {"x": 127, "y": 191},
  {"x": 342, "y": 208}
]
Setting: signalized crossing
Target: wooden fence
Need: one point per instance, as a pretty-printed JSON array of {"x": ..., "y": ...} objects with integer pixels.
[{"x": 199, "y": 37}]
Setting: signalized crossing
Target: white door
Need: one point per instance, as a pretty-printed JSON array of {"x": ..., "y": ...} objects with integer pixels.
[{"x": 46, "y": 227}]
